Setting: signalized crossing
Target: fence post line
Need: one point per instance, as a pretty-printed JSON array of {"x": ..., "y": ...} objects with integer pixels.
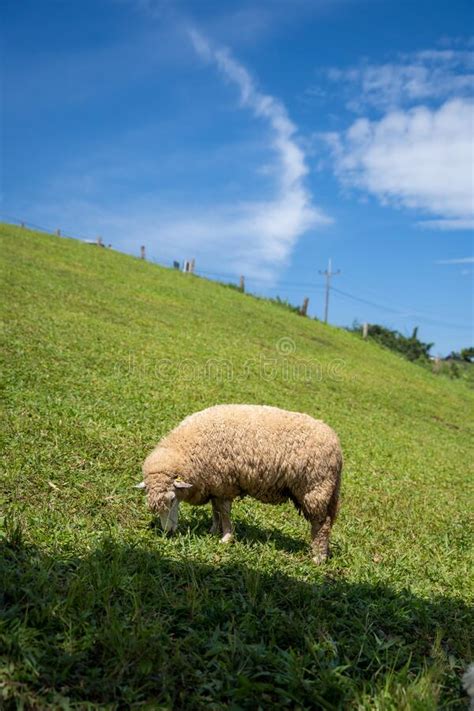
[
  {"x": 304, "y": 308},
  {"x": 142, "y": 252},
  {"x": 365, "y": 330},
  {"x": 242, "y": 284},
  {"x": 58, "y": 232}
]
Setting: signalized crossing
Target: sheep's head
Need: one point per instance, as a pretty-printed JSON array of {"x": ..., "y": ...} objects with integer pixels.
[
  {"x": 164, "y": 486},
  {"x": 166, "y": 504}
]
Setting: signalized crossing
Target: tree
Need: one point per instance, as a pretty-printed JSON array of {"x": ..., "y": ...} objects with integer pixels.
[
  {"x": 467, "y": 354},
  {"x": 410, "y": 346}
]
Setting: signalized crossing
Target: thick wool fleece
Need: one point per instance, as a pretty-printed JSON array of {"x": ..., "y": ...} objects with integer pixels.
[{"x": 270, "y": 454}]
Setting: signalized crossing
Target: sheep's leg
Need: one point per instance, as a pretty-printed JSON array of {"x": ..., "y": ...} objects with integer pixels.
[
  {"x": 216, "y": 521},
  {"x": 221, "y": 519},
  {"x": 320, "y": 530}
]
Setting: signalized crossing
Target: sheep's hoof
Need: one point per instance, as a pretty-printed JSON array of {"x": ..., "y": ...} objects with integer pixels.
[
  {"x": 320, "y": 558},
  {"x": 228, "y": 538}
]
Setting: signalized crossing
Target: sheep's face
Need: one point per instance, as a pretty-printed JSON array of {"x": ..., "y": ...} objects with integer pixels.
[
  {"x": 164, "y": 486},
  {"x": 167, "y": 508},
  {"x": 166, "y": 505}
]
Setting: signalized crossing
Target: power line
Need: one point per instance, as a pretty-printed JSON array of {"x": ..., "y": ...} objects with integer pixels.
[
  {"x": 404, "y": 312},
  {"x": 366, "y": 301}
]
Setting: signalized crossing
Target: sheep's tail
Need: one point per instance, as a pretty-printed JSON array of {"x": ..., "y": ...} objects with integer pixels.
[{"x": 333, "y": 506}]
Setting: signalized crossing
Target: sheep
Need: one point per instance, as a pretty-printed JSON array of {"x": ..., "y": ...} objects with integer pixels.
[{"x": 230, "y": 451}]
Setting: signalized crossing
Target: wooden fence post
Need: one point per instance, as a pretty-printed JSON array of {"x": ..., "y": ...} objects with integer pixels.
[
  {"x": 242, "y": 284},
  {"x": 99, "y": 241},
  {"x": 192, "y": 265},
  {"x": 365, "y": 330},
  {"x": 58, "y": 232},
  {"x": 142, "y": 252},
  {"x": 304, "y": 308}
]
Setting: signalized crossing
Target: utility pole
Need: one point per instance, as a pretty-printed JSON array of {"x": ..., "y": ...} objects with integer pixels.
[{"x": 328, "y": 273}]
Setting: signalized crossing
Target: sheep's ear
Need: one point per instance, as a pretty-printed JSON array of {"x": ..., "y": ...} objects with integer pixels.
[{"x": 179, "y": 484}]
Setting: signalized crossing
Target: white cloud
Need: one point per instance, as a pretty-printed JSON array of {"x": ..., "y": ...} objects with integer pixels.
[
  {"x": 419, "y": 158},
  {"x": 411, "y": 78},
  {"x": 253, "y": 236},
  {"x": 291, "y": 157},
  {"x": 256, "y": 235},
  {"x": 413, "y": 148}
]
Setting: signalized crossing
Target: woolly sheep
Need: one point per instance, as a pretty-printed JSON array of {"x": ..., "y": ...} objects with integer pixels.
[{"x": 228, "y": 451}]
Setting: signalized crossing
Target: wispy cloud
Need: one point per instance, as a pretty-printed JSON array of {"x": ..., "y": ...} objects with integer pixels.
[
  {"x": 290, "y": 155},
  {"x": 256, "y": 235},
  {"x": 253, "y": 236},
  {"x": 448, "y": 225},
  {"x": 408, "y": 79},
  {"x": 242, "y": 23},
  {"x": 461, "y": 260}
]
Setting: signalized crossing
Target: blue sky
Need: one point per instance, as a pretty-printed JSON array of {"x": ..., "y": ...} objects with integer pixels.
[{"x": 260, "y": 138}]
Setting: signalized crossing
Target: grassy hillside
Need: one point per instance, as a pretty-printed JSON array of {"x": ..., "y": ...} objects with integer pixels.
[{"x": 103, "y": 354}]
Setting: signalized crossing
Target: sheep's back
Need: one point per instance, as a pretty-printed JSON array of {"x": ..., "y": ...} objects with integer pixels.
[{"x": 258, "y": 450}]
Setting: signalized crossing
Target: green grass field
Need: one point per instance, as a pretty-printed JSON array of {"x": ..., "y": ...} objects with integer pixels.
[{"x": 103, "y": 354}]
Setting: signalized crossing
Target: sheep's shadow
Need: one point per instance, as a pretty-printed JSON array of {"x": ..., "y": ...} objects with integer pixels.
[
  {"x": 126, "y": 627},
  {"x": 199, "y": 521}
]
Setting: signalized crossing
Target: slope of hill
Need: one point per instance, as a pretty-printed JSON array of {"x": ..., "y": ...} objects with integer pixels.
[{"x": 103, "y": 354}]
